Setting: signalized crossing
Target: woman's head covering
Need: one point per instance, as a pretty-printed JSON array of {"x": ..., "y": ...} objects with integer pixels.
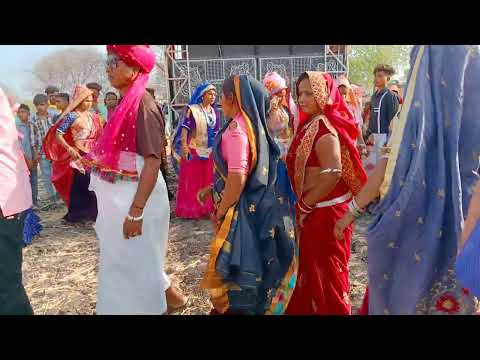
[
  {"x": 333, "y": 106},
  {"x": 80, "y": 93},
  {"x": 274, "y": 83},
  {"x": 200, "y": 90},
  {"x": 241, "y": 252},
  {"x": 342, "y": 80},
  {"x": 351, "y": 97},
  {"x": 113, "y": 157}
]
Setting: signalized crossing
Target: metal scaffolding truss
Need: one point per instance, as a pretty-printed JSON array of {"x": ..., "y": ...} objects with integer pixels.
[
  {"x": 184, "y": 74},
  {"x": 177, "y": 65}
]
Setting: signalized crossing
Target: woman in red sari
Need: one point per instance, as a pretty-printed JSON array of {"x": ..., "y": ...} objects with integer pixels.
[
  {"x": 325, "y": 170},
  {"x": 66, "y": 142}
]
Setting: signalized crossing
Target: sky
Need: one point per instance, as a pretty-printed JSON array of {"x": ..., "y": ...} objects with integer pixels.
[{"x": 16, "y": 62}]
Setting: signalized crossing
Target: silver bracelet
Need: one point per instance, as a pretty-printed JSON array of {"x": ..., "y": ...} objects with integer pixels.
[
  {"x": 355, "y": 210},
  {"x": 135, "y": 219},
  {"x": 359, "y": 209},
  {"x": 328, "y": 171}
]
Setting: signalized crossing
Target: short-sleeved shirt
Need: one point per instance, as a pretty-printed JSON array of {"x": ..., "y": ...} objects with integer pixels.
[
  {"x": 39, "y": 129},
  {"x": 150, "y": 129},
  {"x": 53, "y": 110},
  {"x": 235, "y": 146}
]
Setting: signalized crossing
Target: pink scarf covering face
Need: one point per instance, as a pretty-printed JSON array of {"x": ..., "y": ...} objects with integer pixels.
[{"x": 113, "y": 157}]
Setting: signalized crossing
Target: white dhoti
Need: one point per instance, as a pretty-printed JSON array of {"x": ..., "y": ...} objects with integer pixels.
[
  {"x": 131, "y": 278},
  {"x": 370, "y": 162}
]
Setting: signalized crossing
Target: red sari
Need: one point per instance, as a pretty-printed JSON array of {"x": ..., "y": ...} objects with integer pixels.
[
  {"x": 62, "y": 172},
  {"x": 323, "y": 279}
]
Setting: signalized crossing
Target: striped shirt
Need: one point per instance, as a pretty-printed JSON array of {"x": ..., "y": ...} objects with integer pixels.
[{"x": 40, "y": 127}]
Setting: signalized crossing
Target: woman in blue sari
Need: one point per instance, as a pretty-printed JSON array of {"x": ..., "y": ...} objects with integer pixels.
[
  {"x": 253, "y": 257},
  {"x": 412, "y": 242},
  {"x": 192, "y": 147}
]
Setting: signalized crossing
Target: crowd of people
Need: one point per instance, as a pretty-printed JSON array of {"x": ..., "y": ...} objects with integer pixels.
[{"x": 282, "y": 180}]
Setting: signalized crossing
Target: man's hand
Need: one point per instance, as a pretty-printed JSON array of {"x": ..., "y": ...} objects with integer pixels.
[
  {"x": 371, "y": 140},
  {"x": 133, "y": 228},
  {"x": 35, "y": 159},
  {"x": 362, "y": 149}
]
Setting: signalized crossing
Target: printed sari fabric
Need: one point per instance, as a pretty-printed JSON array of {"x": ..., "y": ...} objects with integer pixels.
[
  {"x": 323, "y": 282},
  {"x": 253, "y": 257},
  {"x": 412, "y": 243}
]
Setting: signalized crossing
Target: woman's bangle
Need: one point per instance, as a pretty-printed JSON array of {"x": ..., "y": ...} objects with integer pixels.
[
  {"x": 355, "y": 210},
  {"x": 303, "y": 207}
]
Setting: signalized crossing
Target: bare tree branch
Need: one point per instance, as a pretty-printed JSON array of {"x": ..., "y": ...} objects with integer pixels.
[{"x": 67, "y": 68}]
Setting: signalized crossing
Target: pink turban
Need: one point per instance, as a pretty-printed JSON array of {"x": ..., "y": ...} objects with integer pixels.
[
  {"x": 274, "y": 83},
  {"x": 135, "y": 55}
]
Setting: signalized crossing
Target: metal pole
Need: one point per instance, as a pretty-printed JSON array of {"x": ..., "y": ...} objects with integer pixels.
[
  {"x": 188, "y": 72},
  {"x": 326, "y": 48},
  {"x": 168, "y": 75}
]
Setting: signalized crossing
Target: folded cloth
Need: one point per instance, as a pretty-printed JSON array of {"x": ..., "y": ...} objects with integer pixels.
[{"x": 32, "y": 227}]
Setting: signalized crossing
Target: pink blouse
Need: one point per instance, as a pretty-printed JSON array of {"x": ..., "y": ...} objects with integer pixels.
[
  {"x": 235, "y": 146},
  {"x": 15, "y": 190}
]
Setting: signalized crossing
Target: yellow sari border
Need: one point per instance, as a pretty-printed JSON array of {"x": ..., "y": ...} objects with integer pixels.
[
  {"x": 211, "y": 281},
  {"x": 398, "y": 127}
]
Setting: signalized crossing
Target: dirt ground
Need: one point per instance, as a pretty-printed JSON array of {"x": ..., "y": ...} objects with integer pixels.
[{"x": 60, "y": 267}]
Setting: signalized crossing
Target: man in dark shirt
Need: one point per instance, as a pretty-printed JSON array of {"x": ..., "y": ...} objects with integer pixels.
[{"x": 384, "y": 105}]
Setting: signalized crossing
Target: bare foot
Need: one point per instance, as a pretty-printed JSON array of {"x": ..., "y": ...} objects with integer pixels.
[{"x": 175, "y": 299}]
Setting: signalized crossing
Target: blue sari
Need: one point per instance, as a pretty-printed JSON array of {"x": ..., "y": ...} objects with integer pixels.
[
  {"x": 254, "y": 256},
  {"x": 412, "y": 242}
]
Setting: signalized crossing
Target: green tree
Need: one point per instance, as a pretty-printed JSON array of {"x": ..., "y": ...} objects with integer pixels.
[{"x": 364, "y": 58}]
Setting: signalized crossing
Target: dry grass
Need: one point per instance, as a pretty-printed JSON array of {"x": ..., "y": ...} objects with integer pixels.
[{"x": 60, "y": 266}]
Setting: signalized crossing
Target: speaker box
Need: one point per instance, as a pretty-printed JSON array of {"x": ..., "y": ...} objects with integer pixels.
[
  {"x": 308, "y": 50},
  {"x": 203, "y": 51},
  {"x": 273, "y": 50},
  {"x": 232, "y": 51}
]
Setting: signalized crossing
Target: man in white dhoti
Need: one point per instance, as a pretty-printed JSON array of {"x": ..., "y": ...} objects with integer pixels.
[{"x": 133, "y": 208}]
